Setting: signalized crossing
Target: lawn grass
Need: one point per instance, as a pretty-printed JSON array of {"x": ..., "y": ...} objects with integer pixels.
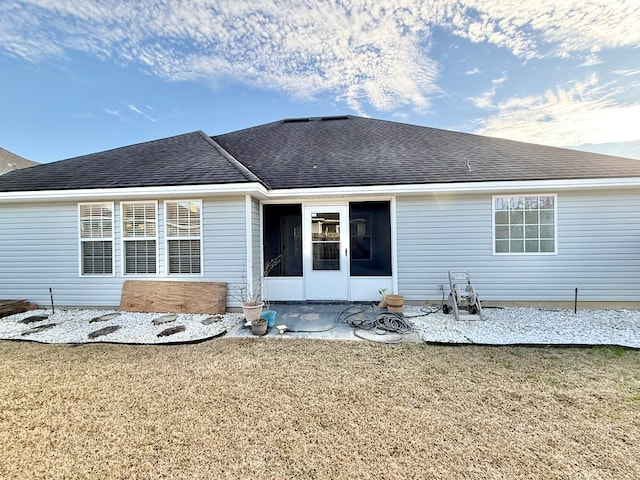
[{"x": 286, "y": 408}]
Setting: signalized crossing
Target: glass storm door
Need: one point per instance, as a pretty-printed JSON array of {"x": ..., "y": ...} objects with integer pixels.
[{"x": 326, "y": 252}]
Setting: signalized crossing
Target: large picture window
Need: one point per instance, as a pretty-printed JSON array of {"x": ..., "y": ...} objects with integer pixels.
[
  {"x": 139, "y": 235},
  {"x": 96, "y": 238},
  {"x": 183, "y": 231},
  {"x": 524, "y": 224}
]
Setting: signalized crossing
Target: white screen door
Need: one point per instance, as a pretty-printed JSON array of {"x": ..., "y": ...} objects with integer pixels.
[{"x": 326, "y": 254}]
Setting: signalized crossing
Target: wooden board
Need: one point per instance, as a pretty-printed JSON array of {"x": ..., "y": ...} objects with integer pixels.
[
  {"x": 174, "y": 297},
  {"x": 11, "y": 307}
]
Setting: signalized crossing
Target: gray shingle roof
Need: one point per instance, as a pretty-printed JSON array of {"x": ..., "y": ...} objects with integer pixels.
[
  {"x": 319, "y": 152},
  {"x": 353, "y": 151},
  {"x": 189, "y": 159}
]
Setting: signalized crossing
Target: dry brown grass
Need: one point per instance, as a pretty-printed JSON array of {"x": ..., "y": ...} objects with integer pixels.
[{"x": 275, "y": 408}]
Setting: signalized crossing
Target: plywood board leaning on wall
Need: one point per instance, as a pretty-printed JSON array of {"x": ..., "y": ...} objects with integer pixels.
[{"x": 171, "y": 296}]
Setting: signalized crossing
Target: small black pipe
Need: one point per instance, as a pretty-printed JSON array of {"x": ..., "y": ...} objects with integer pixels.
[
  {"x": 575, "y": 303},
  {"x": 53, "y": 310}
]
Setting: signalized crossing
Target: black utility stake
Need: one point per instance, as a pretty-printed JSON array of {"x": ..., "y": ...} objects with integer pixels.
[
  {"x": 53, "y": 310},
  {"x": 575, "y": 303}
]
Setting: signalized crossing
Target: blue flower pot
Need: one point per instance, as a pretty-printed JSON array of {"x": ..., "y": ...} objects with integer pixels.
[{"x": 270, "y": 316}]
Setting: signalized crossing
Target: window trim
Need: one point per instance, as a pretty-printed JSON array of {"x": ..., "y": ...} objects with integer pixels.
[
  {"x": 81, "y": 240},
  {"x": 168, "y": 238},
  {"x": 555, "y": 224},
  {"x": 123, "y": 240}
]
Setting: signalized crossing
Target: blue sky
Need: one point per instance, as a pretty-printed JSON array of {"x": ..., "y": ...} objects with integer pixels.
[{"x": 85, "y": 76}]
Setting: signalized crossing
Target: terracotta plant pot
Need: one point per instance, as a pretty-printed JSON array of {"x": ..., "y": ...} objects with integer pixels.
[
  {"x": 252, "y": 312},
  {"x": 259, "y": 327},
  {"x": 394, "y": 302}
]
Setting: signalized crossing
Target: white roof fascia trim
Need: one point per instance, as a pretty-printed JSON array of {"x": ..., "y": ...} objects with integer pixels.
[
  {"x": 136, "y": 192},
  {"x": 259, "y": 191},
  {"x": 463, "y": 187}
]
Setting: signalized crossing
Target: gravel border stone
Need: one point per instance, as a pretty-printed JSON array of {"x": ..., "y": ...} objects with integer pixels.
[
  {"x": 73, "y": 326},
  {"x": 530, "y": 326},
  {"x": 502, "y": 326}
]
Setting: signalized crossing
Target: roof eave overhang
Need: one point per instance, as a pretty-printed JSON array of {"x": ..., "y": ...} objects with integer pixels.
[
  {"x": 459, "y": 188},
  {"x": 259, "y": 191},
  {"x": 133, "y": 193}
]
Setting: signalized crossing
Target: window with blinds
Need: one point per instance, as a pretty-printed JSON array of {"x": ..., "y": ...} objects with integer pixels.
[
  {"x": 140, "y": 237},
  {"x": 96, "y": 238},
  {"x": 184, "y": 236}
]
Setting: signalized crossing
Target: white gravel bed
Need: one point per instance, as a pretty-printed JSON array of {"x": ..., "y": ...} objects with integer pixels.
[
  {"x": 502, "y": 326},
  {"x": 74, "y": 326},
  {"x": 507, "y": 326}
]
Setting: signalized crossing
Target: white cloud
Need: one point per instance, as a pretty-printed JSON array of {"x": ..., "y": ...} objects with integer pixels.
[
  {"x": 486, "y": 100},
  {"x": 366, "y": 53},
  {"x": 627, "y": 73},
  {"x": 553, "y": 27},
  {"x": 584, "y": 113},
  {"x": 114, "y": 113},
  {"x": 135, "y": 109}
]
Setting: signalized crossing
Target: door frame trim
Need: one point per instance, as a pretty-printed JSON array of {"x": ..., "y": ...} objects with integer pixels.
[
  {"x": 300, "y": 294},
  {"x": 307, "y": 248}
]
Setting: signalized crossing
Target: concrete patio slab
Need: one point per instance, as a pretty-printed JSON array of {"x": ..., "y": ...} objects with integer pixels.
[{"x": 327, "y": 321}]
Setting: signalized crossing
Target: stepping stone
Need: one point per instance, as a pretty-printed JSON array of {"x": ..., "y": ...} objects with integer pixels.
[
  {"x": 172, "y": 331},
  {"x": 164, "y": 319},
  {"x": 210, "y": 320},
  {"x": 39, "y": 328},
  {"x": 104, "y": 318},
  {"x": 34, "y": 319},
  {"x": 104, "y": 331}
]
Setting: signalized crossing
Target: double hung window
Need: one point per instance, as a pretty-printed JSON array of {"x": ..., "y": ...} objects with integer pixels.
[
  {"x": 139, "y": 237},
  {"x": 183, "y": 231},
  {"x": 140, "y": 232},
  {"x": 96, "y": 238},
  {"x": 524, "y": 224}
]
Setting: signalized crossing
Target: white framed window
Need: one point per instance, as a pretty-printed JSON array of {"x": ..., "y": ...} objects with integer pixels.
[
  {"x": 96, "y": 238},
  {"x": 184, "y": 237},
  {"x": 139, "y": 238},
  {"x": 525, "y": 224}
]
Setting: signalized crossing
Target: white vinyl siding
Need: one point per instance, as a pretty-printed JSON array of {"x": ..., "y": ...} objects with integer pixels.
[
  {"x": 524, "y": 224},
  {"x": 96, "y": 238},
  {"x": 40, "y": 249},
  {"x": 598, "y": 249},
  {"x": 184, "y": 236},
  {"x": 140, "y": 237}
]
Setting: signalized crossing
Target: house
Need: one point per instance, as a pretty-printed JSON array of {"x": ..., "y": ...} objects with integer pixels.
[
  {"x": 350, "y": 206},
  {"x": 10, "y": 161}
]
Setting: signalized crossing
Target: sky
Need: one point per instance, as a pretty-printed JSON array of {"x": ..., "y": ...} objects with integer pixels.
[{"x": 82, "y": 76}]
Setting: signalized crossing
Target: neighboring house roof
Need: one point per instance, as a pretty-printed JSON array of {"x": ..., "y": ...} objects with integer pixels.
[
  {"x": 355, "y": 151},
  {"x": 342, "y": 151},
  {"x": 10, "y": 161},
  {"x": 189, "y": 159}
]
